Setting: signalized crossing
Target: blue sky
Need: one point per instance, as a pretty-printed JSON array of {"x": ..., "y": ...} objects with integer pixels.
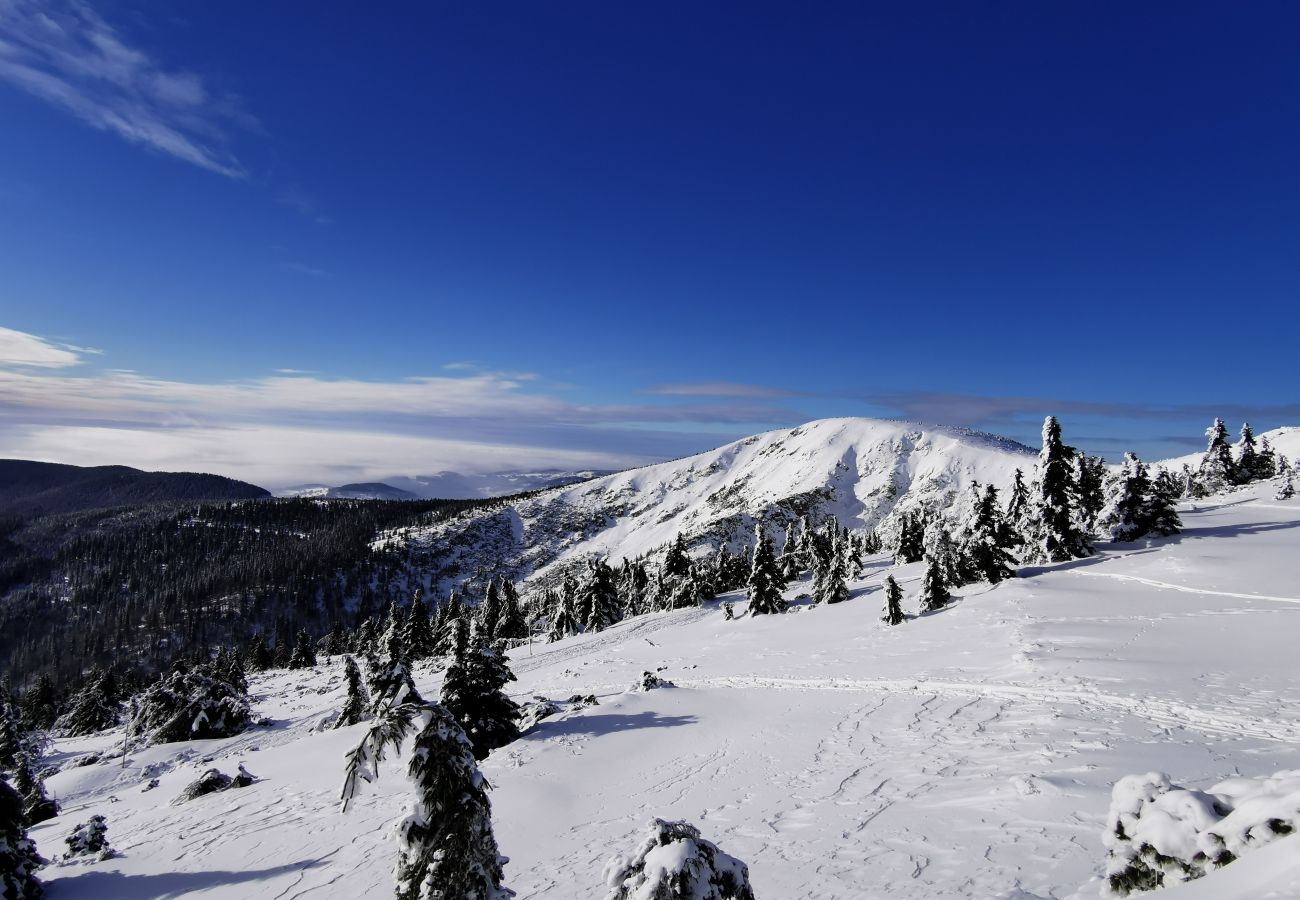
[{"x": 333, "y": 245}]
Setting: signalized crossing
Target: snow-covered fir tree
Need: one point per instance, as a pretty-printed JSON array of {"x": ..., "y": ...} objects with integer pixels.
[
  {"x": 1057, "y": 535},
  {"x": 417, "y": 630},
  {"x": 1286, "y": 487},
  {"x": 1247, "y": 457},
  {"x": 764, "y": 584},
  {"x": 40, "y": 704},
  {"x": 93, "y": 708},
  {"x": 599, "y": 595},
  {"x": 190, "y": 704},
  {"x": 954, "y": 567},
  {"x": 563, "y": 622},
  {"x": 356, "y": 706},
  {"x": 391, "y": 682},
  {"x": 38, "y": 806},
  {"x": 259, "y": 655},
  {"x": 489, "y": 611},
  {"x": 19, "y": 860},
  {"x": 1019, "y": 504},
  {"x": 304, "y": 652},
  {"x": 911, "y": 538},
  {"x": 1265, "y": 461},
  {"x": 228, "y": 666},
  {"x": 673, "y": 862},
  {"x": 89, "y": 839},
  {"x": 1090, "y": 488},
  {"x": 893, "y": 602},
  {"x": 934, "y": 592},
  {"x": 513, "y": 626},
  {"x": 473, "y": 692},
  {"x": 831, "y": 586},
  {"x": 1218, "y": 470},
  {"x": 1125, "y": 517},
  {"x": 1162, "y": 506},
  {"x": 11, "y": 734},
  {"x": 446, "y": 847},
  {"x": 989, "y": 541},
  {"x": 450, "y": 615},
  {"x": 634, "y": 585}
]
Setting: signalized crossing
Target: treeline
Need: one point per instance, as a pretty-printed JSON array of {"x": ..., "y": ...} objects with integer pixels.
[{"x": 131, "y": 589}]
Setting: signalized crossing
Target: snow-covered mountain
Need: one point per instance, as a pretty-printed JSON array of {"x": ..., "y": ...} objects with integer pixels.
[
  {"x": 968, "y": 754},
  {"x": 861, "y": 471}
]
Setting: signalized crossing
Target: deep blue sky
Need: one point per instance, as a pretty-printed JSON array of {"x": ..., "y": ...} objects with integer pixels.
[{"x": 969, "y": 212}]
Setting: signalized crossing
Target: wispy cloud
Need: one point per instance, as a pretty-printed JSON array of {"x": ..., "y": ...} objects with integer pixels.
[
  {"x": 303, "y": 203},
  {"x": 304, "y": 269},
  {"x": 64, "y": 53},
  {"x": 719, "y": 389},
  {"x": 19, "y": 349},
  {"x": 992, "y": 411}
]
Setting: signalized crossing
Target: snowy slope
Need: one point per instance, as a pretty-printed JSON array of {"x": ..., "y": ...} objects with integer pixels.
[
  {"x": 858, "y": 470},
  {"x": 1285, "y": 441},
  {"x": 965, "y": 754}
]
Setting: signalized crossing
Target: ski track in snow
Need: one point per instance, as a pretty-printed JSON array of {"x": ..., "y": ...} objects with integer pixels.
[{"x": 1165, "y": 585}]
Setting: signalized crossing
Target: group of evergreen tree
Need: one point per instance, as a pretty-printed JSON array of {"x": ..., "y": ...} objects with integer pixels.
[
  {"x": 1221, "y": 468},
  {"x": 1138, "y": 505}
]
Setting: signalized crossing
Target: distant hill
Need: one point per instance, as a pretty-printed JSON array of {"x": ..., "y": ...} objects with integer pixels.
[
  {"x": 362, "y": 490},
  {"x": 30, "y": 488},
  {"x": 444, "y": 486}
]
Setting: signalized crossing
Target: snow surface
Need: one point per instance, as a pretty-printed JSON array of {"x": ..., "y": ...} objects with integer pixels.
[{"x": 969, "y": 753}]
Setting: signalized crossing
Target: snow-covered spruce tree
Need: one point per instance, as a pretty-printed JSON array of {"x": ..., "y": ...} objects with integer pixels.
[
  {"x": 1191, "y": 483},
  {"x": 472, "y": 691},
  {"x": 686, "y": 592},
  {"x": 93, "y": 708},
  {"x": 1285, "y": 488},
  {"x": 513, "y": 626},
  {"x": 599, "y": 597},
  {"x": 1247, "y": 461},
  {"x": 1218, "y": 471},
  {"x": 1090, "y": 487},
  {"x": 37, "y": 804},
  {"x": 11, "y": 735},
  {"x": 563, "y": 622},
  {"x": 1057, "y": 536},
  {"x": 792, "y": 560},
  {"x": 446, "y": 848},
  {"x": 764, "y": 579},
  {"x": 831, "y": 587},
  {"x": 677, "y": 561},
  {"x": 1265, "y": 461},
  {"x": 89, "y": 839},
  {"x": 304, "y": 652},
  {"x": 990, "y": 541},
  {"x": 489, "y": 611},
  {"x": 417, "y": 634},
  {"x": 228, "y": 666},
  {"x": 893, "y": 602},
  {"x": 391, "y": 682},
  {"x": 633, "y": 584},
  {"x": 934, "y": 592},
  {"x": 673, "y": 862},
  {"x": 1162, "y": 505},
  {"x": 356, "y": 706},
  {"x": 911, "y": 538},
  {"x": 1125, "y": 515},
  {"x": 189, "y": 705},
  {"x": 40, "y": 704},
  {"x": 954, "y": 567},
  {"x": 259, "y": 656},
  {"x": 453, "y": 612},
  {"x": 18, "y": 857},
  {"x": 1019, "y": 505}
]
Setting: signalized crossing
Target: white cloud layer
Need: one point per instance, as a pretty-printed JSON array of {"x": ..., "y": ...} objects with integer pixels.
[
  {"x": 64, "y": 53},
  {"x": 290, "y": 428}
]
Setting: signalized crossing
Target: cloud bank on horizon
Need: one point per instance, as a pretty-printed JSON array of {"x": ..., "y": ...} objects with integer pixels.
[{"x": 291, "y": 427}]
